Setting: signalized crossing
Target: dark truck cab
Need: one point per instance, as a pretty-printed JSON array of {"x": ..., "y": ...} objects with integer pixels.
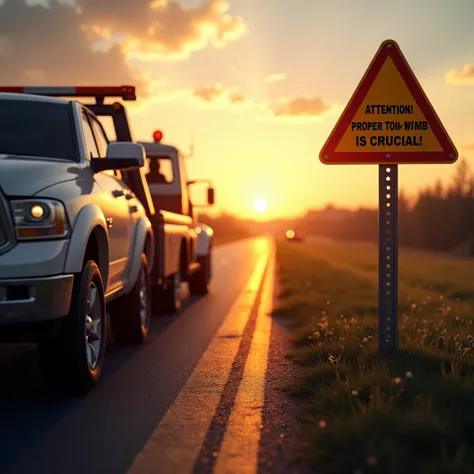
[{"x": 170, "y": 191}]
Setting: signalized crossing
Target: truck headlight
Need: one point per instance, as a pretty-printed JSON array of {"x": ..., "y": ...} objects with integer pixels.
[{"x": 39, "y": 219}]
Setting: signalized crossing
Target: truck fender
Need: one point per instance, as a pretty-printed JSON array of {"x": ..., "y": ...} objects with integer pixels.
[
  {"x": 141, "y": 243},
  {"x": 204, "y": 240},
  {"x": 90, "y": 219}
]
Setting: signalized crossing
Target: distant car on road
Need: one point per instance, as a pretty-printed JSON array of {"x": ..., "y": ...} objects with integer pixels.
[{"x": 294, "y": 236}]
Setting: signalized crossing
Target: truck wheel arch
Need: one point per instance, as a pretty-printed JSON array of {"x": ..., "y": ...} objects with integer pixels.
[
  {"x": 143, "y": 242},
  {"x": 98, "y": 250},
  {"x": 89, "y": 233}
]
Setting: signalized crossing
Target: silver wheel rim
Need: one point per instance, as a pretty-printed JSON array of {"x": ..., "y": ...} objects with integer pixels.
[
  {"x": 93, "y": 326},
  {"x": 143, "y": 300},
  {"x": 177, "y": 286}
]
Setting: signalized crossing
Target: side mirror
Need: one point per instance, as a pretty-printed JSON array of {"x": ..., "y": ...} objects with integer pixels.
[
  {"x": 127, "y": 150},
  {"x": 124, "y": 156},
  {"x": 210, "y": 196}
]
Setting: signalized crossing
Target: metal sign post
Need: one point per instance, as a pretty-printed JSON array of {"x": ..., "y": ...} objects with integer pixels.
[
  {"x": 388, "y": 257},
  {"x": 388, "y": 121}
]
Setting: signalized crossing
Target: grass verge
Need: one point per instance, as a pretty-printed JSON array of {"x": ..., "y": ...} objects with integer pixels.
[{"x": 363, "y": 412}]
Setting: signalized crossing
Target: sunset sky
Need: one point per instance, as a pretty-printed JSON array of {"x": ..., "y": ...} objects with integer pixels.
[{"x": 259, "y": 84}]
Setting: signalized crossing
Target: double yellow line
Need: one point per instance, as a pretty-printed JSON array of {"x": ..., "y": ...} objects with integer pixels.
[{"x": 176, "y": 442}]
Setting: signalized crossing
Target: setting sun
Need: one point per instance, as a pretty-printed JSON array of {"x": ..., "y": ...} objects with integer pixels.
[{"x": 260, "y": 205}]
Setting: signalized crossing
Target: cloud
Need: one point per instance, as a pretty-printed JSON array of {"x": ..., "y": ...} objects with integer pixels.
[
  {"x": 299, "y": 106},
  {"x": 299, "y": 109},
  {"x": 213, "y": 96},
  {"x": 46, "y": 46},
  {"x": 287, "y": 109},
  {"x": 89, "y": 42},
  {"x": 278, "y": 77},
  {"x": 217, "y": 96},
  {"x": 237, "y": 98},
  {"x": 462, "y": 76},
  {"x": 162, "y": 29},
  {"x": 209, "y": 93}
]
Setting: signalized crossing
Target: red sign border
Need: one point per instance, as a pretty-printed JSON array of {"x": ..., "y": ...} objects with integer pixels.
[{"x": 328, "y": 156}]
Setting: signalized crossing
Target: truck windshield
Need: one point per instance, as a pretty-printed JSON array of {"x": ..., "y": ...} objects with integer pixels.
[
  {"x": 159, "y": 170},
  {"x": 32, "y": 128}
]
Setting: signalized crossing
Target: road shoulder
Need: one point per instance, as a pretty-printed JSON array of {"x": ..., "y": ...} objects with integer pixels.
[{"x": 280, "y": 441}]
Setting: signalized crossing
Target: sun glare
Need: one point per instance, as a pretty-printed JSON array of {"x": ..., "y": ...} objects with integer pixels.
[{"x": 260, "y": 205}]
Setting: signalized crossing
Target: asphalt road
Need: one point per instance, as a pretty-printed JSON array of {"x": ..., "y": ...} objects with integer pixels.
[{"x": 167, "y": 406}]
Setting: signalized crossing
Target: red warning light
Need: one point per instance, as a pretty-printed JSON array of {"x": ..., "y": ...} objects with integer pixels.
[{"x": 157, "y": 136}]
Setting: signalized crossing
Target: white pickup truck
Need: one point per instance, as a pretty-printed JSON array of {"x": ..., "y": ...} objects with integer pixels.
[{"x": 73, "y": 237}]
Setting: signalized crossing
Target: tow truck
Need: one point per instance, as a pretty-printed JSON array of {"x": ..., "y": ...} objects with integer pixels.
[
  {"x": 183, "y": 247},
  {"x": 177, "y": 256},
  {"x": 170, "y": 190}
]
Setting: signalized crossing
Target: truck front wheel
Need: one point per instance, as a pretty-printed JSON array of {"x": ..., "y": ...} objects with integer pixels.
[{"x": 73, "y": 360}]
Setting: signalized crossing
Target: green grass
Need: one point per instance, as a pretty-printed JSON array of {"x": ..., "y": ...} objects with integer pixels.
[{"x": 363, "y": 412}]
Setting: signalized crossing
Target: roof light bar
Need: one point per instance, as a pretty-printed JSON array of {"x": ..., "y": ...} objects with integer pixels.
[{"x": 124, "y": 92}]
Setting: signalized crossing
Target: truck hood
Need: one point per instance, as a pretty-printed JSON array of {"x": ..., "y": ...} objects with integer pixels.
[{"x": 25, "y": 175}]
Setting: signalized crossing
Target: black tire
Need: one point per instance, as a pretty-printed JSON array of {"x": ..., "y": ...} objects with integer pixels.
[
  {"x": 131, "y": 314},
  {"x": 199, "y": 281},
  {"x": 168, "y": 300},
  {"x": 64, "y": 358}
]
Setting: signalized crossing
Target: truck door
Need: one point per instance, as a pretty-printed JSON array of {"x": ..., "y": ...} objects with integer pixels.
[{"x": 116, "y": 209}]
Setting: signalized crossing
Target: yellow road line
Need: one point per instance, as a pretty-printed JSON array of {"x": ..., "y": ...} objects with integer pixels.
[
  {"x": 175, "y": 444},
  {"x": 239, "y": 450}
]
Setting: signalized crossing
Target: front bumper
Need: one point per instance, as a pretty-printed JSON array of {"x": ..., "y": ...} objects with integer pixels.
[
  {"x": 34, "y": 260},
  {"x": 33, "y": 300}
]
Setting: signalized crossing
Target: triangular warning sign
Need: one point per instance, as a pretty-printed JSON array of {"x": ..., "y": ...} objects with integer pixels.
[{"x": 388, "y": 119}]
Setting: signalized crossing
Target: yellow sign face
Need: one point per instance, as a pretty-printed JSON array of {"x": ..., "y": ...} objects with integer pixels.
[{"x": 389, "y": 119}]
